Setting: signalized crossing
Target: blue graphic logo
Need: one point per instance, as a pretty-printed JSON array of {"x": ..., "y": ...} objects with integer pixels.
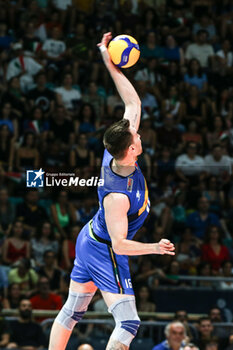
[{"x": 35, "y": 178}]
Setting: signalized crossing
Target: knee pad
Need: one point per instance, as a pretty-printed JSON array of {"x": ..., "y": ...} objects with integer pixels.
[
  {"x": 127, "y": 321},
  {"x": 73, "y": 310}
]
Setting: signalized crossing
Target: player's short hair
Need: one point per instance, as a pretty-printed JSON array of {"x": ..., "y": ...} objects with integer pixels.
[{"x": 118, "y": 138}]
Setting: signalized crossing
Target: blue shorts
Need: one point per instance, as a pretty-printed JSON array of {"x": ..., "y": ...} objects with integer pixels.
[{"x": 96, "y": 261}]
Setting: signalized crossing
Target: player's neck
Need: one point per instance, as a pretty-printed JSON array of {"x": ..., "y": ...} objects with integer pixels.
[{"x": 123, "y": 167}]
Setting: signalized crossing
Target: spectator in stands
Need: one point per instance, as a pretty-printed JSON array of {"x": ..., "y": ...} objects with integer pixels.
[
  {"x": 195, "y": 107},
  {"x": 165, "y": 163},
  {"x": 204, "y": 270},
  {"x": 175, "y": 337},
  {"x": 215, "y": 195},
  {"x": 27, "y": 155},
  {"x": 190, "y": 166},
  {"x": 225, "y": 56},
  {"x": 151, "y": 74},
  {"x": 68, "y": 247},
  {"x": 223, "y": 105},
  {"x": 4, "y": 330},
  {"x": 96, "y": 98},
  {"x": 85, "y": 347},
  {"x": 191, "y": 346},
  {"x": 149, "y": 103},
  {"x": 218, "y": 164},
  {"x": 63, "y": 213},
  {"x": 6, "y": 149},
  {"x": 67, "y": 96},
  {"x": 216, "y": 130},
  {"x": 25, "y": 276},
  {"x": 213, "y": 251},
  {"x": 15, "y": 247},
  {"x": 172, "y": 274},
  {"x": 7, "y": 213},
  {"x": 25, "y": 333},
  {"x": 45, "y": 299},
  {"x": 24, "y": 67},
  {"x": 41, "y": 96},
  {"x": 15, "y": 97},
  {"x": 87, "y": 210},
  {"x": 143, "y": 301},
  {"x": 7, "y": 118},
  {"x": 195, "y": 76},
  {"x": 148, "y": 135},
  {"x": 30, "y": 212},
  {"x": 188, "y": 252},
  {"x": 13, "y": 298},
  {"x": 151, "y": 48},
  {"x": 50, "y": 270},
  {"x": 215, "y": 316},
  {"x": 227, "y": 267},
  {"x": 172, "y": 52},
  {"x": 201, "y": 219},
  {"x": 80, "y": 51},
  {"x": 192, "y": 134},
  {"x": 205, "y": 333},
  {"x": 61, "y": 128},
  {"x": 174, "y": 106},
  {"x": 54, "y": 49},
  {"x": 5, "y": 38},
  {"x": 44, "y": 240},
  {"x": 168, "y": 135},
  {"x": 182, "y": 316},
  {"x": 201, "y": 50},
  {"x": 205, "y": 23},
  {"x": 81, "y": 155}
]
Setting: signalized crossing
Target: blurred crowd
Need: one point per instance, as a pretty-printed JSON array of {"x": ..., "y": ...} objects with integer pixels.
[{"x": 56, "y": 101}]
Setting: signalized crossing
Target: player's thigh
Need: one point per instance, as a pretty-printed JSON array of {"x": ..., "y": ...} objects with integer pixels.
[
  {"x": 88, "y": 287},
  {"x": 111, "y": 298}
]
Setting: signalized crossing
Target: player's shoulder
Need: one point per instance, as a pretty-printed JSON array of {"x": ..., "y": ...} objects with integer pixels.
[{"x": 116, "y": 201}]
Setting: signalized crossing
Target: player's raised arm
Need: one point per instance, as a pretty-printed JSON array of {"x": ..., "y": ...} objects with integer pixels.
[
  {"x": 123, "y": 85},
  {"x": 116, "y": 206}
]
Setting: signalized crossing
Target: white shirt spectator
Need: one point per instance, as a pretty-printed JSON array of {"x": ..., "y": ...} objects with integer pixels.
[
  {"x": 216, "y": 168},
  {"x": 68, "y": 96},
  {"x": 62, "y": 4},
  {"x": 146, "y": 75},
  {"x": 200, "y": 52},
  {"x": 23, "y": 64},
  {"x": 54, "y": 48},
  {"x": 188, "y": 166},
  {"x": 229, "y": 57}
]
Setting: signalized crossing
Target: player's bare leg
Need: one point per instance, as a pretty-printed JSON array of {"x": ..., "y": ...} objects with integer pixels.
[
  {"x": 60, "y": 336},
  {"x": 112, "y": 300}
]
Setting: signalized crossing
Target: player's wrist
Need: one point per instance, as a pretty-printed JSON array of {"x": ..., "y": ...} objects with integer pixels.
[
  {"x": 102, "y": 48},
  {"x": 156, "y": 248}
]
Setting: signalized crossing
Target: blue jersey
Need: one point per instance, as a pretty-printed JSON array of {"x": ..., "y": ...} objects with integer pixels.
[
  {"x": 95, "y": 259},
  {"x": 133, "y": 186}
]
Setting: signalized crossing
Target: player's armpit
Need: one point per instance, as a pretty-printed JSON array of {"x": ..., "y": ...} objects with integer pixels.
[{"x": 116, "y": 206}]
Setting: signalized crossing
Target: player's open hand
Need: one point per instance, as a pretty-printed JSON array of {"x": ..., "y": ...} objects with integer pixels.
[
  {"x": 103, "y": 49},
  {"x": 165, "y": 247},
  {"x": 105, "y": 39}
]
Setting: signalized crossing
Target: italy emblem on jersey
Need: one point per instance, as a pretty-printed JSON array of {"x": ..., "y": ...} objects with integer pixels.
[{"x": 129, "y": 184}]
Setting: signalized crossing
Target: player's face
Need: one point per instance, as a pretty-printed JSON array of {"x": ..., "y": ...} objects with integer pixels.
[{"x": 137, "y": 143}]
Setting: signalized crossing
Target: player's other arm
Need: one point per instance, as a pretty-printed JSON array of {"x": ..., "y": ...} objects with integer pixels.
[
  {"x": 123, "y": 85},
  {"x": 116, "y": 206}
]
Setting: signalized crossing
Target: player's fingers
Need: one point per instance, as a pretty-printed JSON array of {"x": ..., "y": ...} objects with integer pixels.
[{"x": 166, "y": 241}]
